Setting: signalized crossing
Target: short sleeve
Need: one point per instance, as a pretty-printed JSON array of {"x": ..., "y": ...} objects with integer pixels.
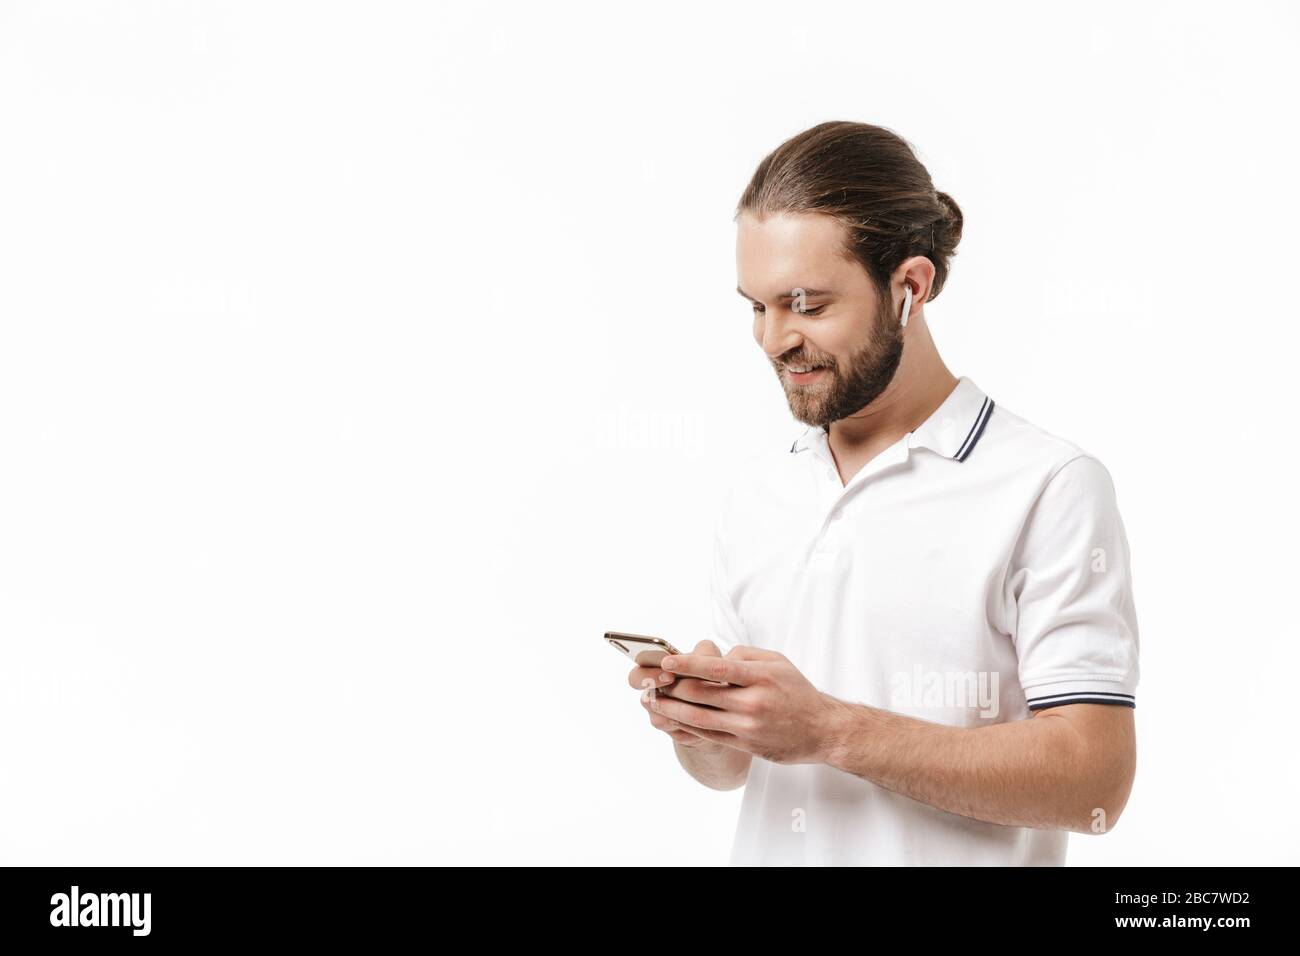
[
  {"x": 1070, "y": 591},
  {"x": 725, "y": 627}
]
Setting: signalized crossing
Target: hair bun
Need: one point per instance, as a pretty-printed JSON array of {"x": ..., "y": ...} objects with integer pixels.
[{"x": 954, "y": 220}]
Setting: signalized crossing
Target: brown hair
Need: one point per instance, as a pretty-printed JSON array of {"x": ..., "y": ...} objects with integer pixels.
[{"x": 868, "y": 178}]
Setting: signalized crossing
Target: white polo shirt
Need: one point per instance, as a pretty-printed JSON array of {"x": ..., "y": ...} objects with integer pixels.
[{"x": 972, "y": 572}]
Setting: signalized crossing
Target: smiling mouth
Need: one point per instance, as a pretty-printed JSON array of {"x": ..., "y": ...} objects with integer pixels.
[{"x": 798, "y": 377}]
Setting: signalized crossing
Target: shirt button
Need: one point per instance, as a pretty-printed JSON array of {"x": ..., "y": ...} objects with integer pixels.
[{"x": 830, "y": 472}]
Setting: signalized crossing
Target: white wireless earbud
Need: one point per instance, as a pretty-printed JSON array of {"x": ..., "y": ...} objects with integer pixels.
[{"x": 907, "y": 304}]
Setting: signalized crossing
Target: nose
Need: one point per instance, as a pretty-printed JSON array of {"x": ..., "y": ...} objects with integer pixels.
[{"x": 776, "y": 334}]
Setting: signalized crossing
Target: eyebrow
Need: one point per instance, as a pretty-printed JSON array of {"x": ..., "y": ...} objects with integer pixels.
[{"x": 808, "y": 293}]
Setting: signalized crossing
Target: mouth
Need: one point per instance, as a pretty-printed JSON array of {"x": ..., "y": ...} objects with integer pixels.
[{"x": 804, "y": 374}]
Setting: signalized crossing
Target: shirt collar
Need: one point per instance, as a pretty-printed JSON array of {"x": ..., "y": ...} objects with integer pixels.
[{"x": 952, "y": 430}]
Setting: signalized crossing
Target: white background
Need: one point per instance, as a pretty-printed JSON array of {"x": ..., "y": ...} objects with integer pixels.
[{"x": 361, "y": 363}]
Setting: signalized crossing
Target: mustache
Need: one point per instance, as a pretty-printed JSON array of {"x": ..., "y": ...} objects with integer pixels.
[{"x": 803, "y": 359}]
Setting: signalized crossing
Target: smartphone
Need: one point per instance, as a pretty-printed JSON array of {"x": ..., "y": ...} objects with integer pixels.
[{"x": 640, "y": 648}]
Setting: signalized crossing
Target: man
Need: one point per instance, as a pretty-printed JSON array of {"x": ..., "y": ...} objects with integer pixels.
[{"x": 931, "y": 648}]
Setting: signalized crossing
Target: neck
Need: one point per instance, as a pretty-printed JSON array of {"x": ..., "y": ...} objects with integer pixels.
[{"x": 918, "y": 388}]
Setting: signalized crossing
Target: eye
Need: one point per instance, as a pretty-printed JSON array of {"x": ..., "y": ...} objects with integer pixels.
[{"x": 816, "y": 311}]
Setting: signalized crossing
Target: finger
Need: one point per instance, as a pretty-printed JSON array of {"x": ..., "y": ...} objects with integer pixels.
[
  {"x": 722, "y": 669},
  {"x": 717, "y": 737},
  {"x": 686, "y": 738},
  {"x": 709, "y": 648},
  {"x": 689, "y": 740},
  {"x": 655, "y": 675},
  {"x": 650, "y": 692},
  {"x": 703, "y": 692},
  {"x": 678, "y": 731},
  {"x": 694, "y": 716}
]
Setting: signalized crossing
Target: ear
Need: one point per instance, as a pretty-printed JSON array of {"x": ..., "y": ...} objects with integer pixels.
[{"x": 916, "y": 274}]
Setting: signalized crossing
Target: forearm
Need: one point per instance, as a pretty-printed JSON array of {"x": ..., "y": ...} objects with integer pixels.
[
  {"x": 717, "y": 766},
  {"x": 1031, "y": 773}
]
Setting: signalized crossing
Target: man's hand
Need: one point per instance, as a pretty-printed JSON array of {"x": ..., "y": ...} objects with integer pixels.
[
  {"x": 650, "y": 678},
  {"x": 770, "y": 709}
]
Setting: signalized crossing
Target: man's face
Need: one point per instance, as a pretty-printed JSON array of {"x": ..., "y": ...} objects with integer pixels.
[{"x": 837, "y": 346}]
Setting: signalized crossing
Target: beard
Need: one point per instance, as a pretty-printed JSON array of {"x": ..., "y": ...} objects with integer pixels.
[{"x": 841, "y": 392}]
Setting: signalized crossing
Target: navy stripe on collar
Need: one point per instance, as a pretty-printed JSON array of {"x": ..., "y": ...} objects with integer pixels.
[{"x": 976, "y": 430}]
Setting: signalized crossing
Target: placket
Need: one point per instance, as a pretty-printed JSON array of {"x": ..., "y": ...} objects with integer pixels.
[{"x": 836, "y": 496}]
